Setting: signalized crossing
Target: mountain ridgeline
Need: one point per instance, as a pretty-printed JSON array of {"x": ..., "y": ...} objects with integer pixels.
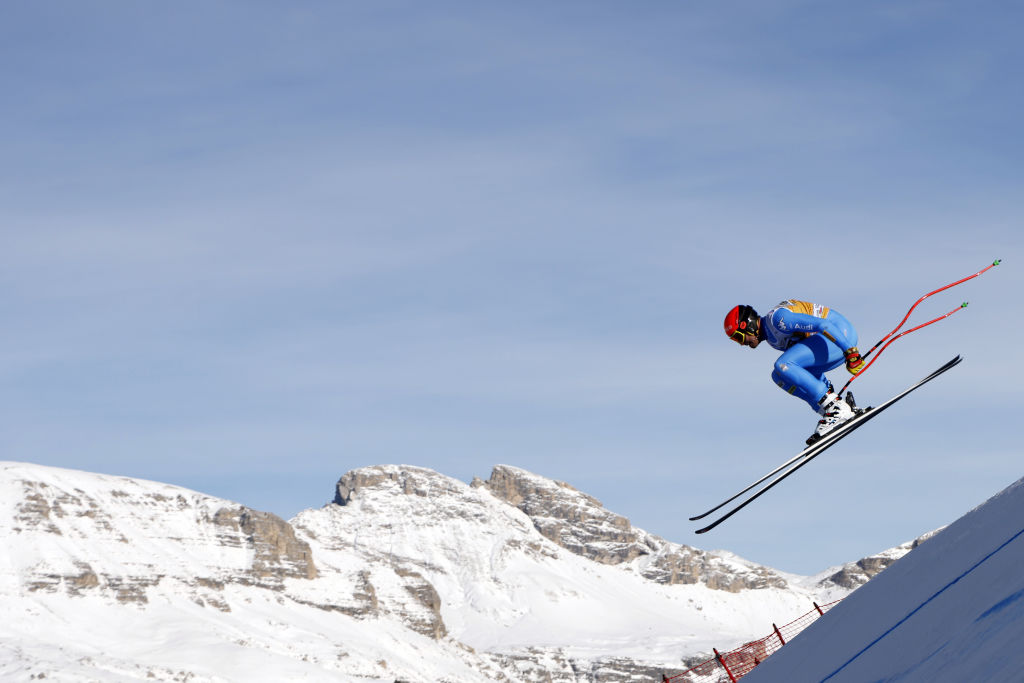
[{"x": 406, "y": 575}]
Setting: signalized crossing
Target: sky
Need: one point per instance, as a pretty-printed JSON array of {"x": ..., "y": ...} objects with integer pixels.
[{"x": 250, "y": 246}]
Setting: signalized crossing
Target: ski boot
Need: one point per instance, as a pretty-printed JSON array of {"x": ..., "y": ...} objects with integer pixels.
[{"x": 834, "y": 411}]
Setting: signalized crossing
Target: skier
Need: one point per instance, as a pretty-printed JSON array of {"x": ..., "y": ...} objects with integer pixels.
[{"x": 814, "y": 340}]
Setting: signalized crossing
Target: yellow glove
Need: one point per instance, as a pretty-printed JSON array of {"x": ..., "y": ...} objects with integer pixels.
[{"x": 854, "y": 362}]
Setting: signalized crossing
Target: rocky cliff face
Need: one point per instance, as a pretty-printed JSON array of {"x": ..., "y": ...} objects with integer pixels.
[
  {"x": 74, "y": 534},
  {"x": 569, "y": 518},
  {"x": 406, "y": 575},
  {"x": 855, "y": 574},
  {"x": 580, "y": 524}
]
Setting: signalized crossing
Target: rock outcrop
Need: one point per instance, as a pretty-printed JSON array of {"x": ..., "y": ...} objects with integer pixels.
[
  {"x": 277, "y": 553},
  {"x": 580, "y": 523},
  {"x": 855, "y": 574},
  {"x": 108, "y": 533}
]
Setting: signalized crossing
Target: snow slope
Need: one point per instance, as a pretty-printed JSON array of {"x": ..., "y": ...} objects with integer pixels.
[{"x": 952, "y": 611}]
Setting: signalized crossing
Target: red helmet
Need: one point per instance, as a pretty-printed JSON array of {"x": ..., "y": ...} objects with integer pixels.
[{"x": 740, "y": 321}]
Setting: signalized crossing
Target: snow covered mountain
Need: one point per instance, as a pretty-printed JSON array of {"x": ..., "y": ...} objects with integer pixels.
[{"x": 406, "y": 575}]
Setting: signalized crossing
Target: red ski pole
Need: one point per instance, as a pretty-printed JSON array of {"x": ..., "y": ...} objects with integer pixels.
[{"x": 896, "y": 329}]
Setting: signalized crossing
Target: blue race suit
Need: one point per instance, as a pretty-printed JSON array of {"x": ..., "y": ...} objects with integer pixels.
[{"x": 813, "y": 340}]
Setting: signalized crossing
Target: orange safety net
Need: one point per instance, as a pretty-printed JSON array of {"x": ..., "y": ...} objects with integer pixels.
[{"x": 730, "y": 666}]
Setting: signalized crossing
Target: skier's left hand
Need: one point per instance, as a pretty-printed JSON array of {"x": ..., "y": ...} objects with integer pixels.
[{"x": 854, "y": 362}]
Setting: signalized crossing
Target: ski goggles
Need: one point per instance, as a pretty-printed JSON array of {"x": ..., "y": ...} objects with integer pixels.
[{"x": 739, "y": 336}]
